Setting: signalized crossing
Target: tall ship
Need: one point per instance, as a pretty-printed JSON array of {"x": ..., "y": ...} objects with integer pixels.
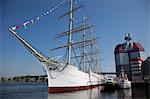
[{"x": 65, "y": 75}]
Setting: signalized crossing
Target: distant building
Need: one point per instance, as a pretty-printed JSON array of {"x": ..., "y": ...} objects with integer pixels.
[
  {"x": 146, "y": 69},
  {"x": 130, "y": 56}
]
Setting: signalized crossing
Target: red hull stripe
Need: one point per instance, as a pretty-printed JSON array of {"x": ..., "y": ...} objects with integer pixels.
[{"x": 69, "y": 89}]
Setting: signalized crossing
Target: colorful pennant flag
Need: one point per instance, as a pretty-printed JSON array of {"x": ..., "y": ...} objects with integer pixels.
[
  {"x": 38, "y": 18},
  {"x": 44, "y": 14},
  {"x": 41, "y": 15},
  {"x": 47, "y": 12},
  {"x": 25, "y": 24},
  {"x": 50, "y": 11},
  {"x": 13, "y": 28},
  {"x": 32, "y": 21}
]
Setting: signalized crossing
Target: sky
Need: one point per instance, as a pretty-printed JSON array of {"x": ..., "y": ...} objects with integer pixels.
[{"x": 112, "y": 18}]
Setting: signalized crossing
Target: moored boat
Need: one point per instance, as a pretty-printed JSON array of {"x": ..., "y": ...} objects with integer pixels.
[{"x": 122, "y": 81}]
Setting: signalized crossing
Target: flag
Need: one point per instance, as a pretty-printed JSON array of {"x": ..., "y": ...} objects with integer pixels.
[
  {"x": 47, "y": 12},
  {"x": 38, "y": 18},
  {"x": 44, "y": 13},
  {"x": 25, "y": 24},
  {"x": 17, "y": 27},
  {"x": 55, "y": 7},
  {"x": 13, "y": 28},
  {"x": 32, "y": 21},
  {"x": 50, "y": 11}
]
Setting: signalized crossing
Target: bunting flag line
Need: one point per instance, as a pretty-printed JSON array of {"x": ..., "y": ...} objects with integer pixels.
[{"x": 32, "y": 21}]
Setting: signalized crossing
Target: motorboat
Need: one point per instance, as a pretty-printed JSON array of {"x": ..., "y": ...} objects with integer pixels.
[{"x": 122, "y": 81}]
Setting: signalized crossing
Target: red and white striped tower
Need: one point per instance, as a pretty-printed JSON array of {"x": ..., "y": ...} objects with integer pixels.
[{"x": 130, "y": 56}]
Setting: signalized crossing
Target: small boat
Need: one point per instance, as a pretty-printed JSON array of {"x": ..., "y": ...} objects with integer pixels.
[
  {"x": 122, "y": 81},
  {"x": 110, "y": 80},
  {"x": 109, "y": 84}
]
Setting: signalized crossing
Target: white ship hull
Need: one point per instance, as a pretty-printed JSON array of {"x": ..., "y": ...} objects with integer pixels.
[
  {"x": 71, "y": 79},
  {"x": 124, "y": 84}
]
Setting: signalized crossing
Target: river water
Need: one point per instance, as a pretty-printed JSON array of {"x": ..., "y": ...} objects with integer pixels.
[{"x": 38, "y": 90}]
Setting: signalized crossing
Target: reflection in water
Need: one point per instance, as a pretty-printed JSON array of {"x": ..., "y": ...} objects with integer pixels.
[
  {"x": 99, "y": 93},
  {"x": 85, "y": 94},
  {"x": 141, "y": 93},
  {"x": 124, "y": 93},
  {"x": 38, "y": 90},
  {"x": 94, "y": 93}
]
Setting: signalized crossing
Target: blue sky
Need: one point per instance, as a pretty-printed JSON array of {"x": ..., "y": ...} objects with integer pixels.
[{"x": 112, "y": 18}]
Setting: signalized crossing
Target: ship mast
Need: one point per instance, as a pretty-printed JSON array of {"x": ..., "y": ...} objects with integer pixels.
[
  {"x": 84, "y": 42},
  {"x": 92, "y": 36},
  {"x": 73, "y": 45},
  {"x": 70, "y": 32}
]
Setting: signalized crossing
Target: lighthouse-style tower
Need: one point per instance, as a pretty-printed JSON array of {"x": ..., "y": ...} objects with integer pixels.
[{"x": 130, "y": 56}]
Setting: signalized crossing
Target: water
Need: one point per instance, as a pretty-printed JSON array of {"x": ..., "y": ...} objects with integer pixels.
[{"x": 38, "y": 90}]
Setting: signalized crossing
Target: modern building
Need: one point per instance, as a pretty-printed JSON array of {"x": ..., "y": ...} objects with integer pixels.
[{"x": 130, "y": 56}]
